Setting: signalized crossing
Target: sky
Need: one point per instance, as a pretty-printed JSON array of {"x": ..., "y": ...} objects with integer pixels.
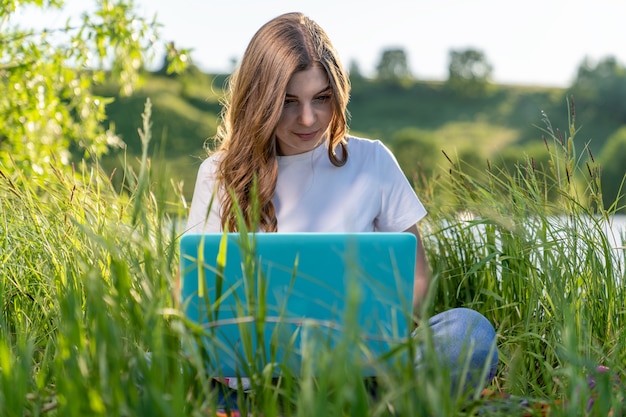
[{"x": 530, "y": 42}]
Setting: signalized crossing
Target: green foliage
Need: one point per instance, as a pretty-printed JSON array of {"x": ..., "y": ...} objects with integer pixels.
[
  {"x": 613, "y": 163},
  {"x": 90, "y": 322},
  {"x": 185, "y": 111},
  {"x": 354, "y": 70},
  {"x": 415, "y": 150},
  {"x": 529, "y": 245},
  {"x": 393, "y": 67},
  {"x": 176, "y": 61},
  {"x": 504, "y": 127},
  {"x": 379, "y": 110},
  {"x": 47, "y": 102},
  {"x": 603, "y": 87},
  {"x": 469, "y": 72},
  {"x": 88, "y": 271},
  {"x": 87, "y": 274}
]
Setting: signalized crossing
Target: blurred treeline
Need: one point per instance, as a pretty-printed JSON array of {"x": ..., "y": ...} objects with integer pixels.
[
  {"x": 465, "y": 118},
  {"x": 69, "y": 94}
]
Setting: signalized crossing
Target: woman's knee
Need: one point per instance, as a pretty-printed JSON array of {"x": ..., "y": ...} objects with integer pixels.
[
  {"x": 463, "y": 324},
  {"x": 464, "y": 337}
]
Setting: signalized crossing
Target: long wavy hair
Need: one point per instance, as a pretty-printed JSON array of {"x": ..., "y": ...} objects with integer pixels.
[{"x": 283, "y": 46}]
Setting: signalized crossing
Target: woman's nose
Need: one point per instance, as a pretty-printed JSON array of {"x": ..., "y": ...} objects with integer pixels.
[{"x": 307, "y": 115}]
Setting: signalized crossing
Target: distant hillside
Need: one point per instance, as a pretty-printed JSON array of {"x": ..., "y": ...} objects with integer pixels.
[{"x": 186, "y": 111}]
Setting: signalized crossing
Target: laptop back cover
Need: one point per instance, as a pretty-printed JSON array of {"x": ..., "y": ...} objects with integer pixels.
[{"x": 272, "y": 298}]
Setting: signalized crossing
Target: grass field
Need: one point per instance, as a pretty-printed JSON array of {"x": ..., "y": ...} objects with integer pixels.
[{"x": 87, "y": 291}]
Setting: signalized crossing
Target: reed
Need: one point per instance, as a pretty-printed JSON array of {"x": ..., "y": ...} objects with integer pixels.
[{"x": 90, "y": 323}]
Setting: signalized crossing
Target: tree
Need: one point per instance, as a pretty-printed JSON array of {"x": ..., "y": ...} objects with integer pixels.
[
  {"x": 469, "y": 72},
  {"x": 602, "y": 86},
  {"x": 175, "y": 62},
  {"x": 47, "y": 106},
  {"x": 393, "y": 66},
  {"x": 354, "y": 70}
]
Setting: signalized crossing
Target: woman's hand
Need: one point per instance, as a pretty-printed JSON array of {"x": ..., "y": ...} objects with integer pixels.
[{"x": 421, "y": 278}]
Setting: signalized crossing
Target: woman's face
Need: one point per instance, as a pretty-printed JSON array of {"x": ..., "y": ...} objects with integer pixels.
[{"x": 307, "y": 112}]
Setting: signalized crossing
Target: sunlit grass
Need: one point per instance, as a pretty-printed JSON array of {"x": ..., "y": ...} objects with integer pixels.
[{"x": 90, "y": 322}]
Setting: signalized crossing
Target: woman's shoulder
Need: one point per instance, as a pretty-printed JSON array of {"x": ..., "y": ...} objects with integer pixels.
[
  {"x": 366, "y": 148},
  {"x": 210, "y": 163},
  {"x": 363, "y": 143}
]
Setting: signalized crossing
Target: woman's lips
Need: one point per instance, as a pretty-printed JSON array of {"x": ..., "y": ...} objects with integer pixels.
[{"x": 307, "y": 136}]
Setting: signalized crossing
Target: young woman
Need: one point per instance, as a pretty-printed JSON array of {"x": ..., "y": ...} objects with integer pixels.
[{"x": 285, "y": 129}]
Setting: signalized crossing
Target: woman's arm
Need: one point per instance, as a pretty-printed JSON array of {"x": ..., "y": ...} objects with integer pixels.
[{"x": 421, "y": 279}]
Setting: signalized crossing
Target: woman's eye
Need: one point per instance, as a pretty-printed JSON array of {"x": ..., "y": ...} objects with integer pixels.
[
  {"x": 289, "y": 102},
  {"x": 323, "y": 98}
]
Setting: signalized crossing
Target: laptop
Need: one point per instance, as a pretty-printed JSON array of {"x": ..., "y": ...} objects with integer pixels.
[{"x": 283, "y": 300}]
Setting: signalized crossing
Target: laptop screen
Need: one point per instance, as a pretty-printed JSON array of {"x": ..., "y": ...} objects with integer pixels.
[{"x": 280, "y": 298}]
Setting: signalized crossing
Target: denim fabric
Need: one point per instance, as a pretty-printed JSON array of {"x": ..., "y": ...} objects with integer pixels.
[{"x": 464, "y": 341}]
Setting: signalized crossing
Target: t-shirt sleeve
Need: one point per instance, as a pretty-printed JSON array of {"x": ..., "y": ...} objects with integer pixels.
[
  {"x": 400, "y": 206},
  {"x": 204, "y": 213}
]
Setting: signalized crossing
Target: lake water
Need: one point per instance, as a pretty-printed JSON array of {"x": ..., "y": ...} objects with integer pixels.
[
  {"x": 615, "y": 231},
  {"x": 619, "y": 223},
  {"x": 616, "y": 234}
]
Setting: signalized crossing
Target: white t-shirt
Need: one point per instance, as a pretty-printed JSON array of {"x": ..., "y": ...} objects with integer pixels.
[{"x": 369, "y": 193}]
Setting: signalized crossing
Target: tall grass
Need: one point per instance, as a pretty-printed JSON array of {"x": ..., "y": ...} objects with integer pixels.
[
  {"x": 532, "y": 252},
  {"x": 90, "y": 322}
]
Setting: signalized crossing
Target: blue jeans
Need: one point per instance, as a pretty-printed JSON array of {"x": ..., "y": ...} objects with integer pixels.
[{"x": 464, "y": 342}]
